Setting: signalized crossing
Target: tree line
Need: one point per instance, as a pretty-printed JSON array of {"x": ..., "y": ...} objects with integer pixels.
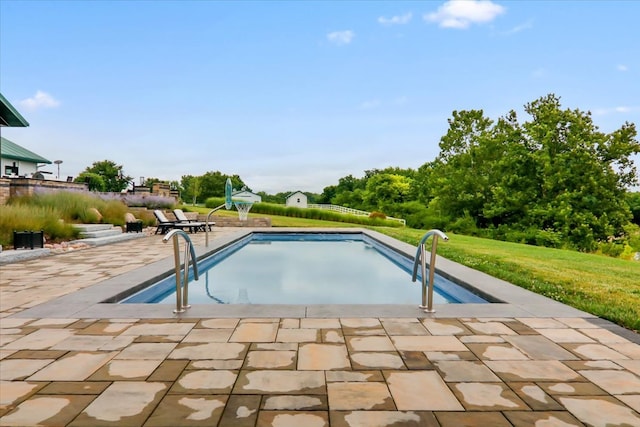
[{"x": 554, "y": 179}]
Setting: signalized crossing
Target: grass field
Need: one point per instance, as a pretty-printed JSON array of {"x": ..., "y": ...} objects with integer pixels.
[
  {"x": 605, "y": 287},
  {"x": 600, "y": 285}
]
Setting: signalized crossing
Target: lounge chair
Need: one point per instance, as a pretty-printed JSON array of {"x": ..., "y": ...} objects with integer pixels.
[
  {"x": 164, "y": 224},
  {"x": 181, "y": 217}
]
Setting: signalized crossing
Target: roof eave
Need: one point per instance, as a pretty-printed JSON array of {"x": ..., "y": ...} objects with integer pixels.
[{"x": 9, "y": 116}]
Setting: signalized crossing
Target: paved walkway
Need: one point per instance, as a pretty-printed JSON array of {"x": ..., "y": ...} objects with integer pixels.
[{"x": 296, "y": 371}]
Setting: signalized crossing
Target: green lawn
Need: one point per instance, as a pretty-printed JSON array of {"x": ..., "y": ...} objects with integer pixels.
[
  {"x": 603, "y": 286},
  {"x": 606, "y": 287}
]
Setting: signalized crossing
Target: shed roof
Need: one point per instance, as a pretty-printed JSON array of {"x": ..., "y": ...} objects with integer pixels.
[
  {"x": 11, "y": 150},
  {"x": 294, "y": 193},
  {"x": 9, "y": 116}
]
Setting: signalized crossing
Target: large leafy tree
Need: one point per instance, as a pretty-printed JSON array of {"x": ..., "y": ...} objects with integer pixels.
[
  {"x": 385, "y": 190},
  {"x": 463, "y": 170},
  {"x": 554, "y": 173},
  {"x": 111, "y": 173}
]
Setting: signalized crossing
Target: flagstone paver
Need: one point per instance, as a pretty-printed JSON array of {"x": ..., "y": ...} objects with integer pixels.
[
  {"x": 369, "y": 360},
  {"x": 383, "y": 419},
  {"x": 271, "y": 359},
  {"x": 324, "y": 357},
  {"x": 255, "y": 332},
  {"x": 483, "y": 396},
  {"x": 337, "y": 371},
  {"x": 538, "y": 347},
  {"x": 122, "y": 404},
  {"x": 295, "y": 403},
  {"x": 292, "y": 419},
  {"x": 359, "y": 395},
  {"x": 421, "y": 391},
  {"x": 185, "y": 410},
  {"x": 46, "y": 410},
  {"x": 601, "y": 411},
  {"x": 297, "y": 335},
  {"x": 535, "y": 397},
  {"x": 73, "y": 367}
]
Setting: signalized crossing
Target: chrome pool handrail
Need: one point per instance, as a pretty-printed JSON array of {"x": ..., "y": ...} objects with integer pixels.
[
  {"x": 427, "y": 303},
  {"x": 182, "y": 298},
  {"x": 206, "y": 227}
]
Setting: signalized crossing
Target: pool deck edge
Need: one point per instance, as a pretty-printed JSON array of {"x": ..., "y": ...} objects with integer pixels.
[{"x": 90, "y": 302}]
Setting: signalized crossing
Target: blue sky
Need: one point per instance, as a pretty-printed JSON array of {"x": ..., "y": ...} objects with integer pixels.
[{"x": 295, "y": 95}]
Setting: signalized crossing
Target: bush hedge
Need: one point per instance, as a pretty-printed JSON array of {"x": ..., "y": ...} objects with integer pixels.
[
  {"x": 56, "y": 212},
  {"x": 318, "y": 214}
]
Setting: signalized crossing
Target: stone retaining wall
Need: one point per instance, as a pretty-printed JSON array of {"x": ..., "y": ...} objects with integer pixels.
[
  {"x": 224, "y": 221},
  {"x": 10, "y": 187},
  {"x": 5, "y": 190},
  {"x": 229, "y": 221}
]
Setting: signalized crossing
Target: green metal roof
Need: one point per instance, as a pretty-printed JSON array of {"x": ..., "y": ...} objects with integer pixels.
[
  {"x": 11, "y": 150},
  {"x": 9, "y": 116}
]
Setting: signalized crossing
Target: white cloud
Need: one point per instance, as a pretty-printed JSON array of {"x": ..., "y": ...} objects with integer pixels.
[
  {"x": 462, "y": 13},
  {"x": 341, "y": 37},
  {"x": 606, "y": 111},
  {"x": 396, "y": 20},
  {"x": 622, "y": 67},
  {"x": 39, "y": 100},
  {"x": 518, "y": 28}
]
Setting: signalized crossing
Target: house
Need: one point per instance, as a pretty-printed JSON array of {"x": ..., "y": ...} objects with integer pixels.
[
  {"x": 17, "y": 161},
  {"x": 297, "y": 199},
  {"x": 246, "y": 196}
]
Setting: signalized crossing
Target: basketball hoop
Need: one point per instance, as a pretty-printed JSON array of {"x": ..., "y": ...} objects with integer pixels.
[
  {"x": 228, "y": 192},
  {"x": 243, "y": 209}
]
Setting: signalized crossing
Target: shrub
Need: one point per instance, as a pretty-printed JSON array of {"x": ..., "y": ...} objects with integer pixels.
[
  {"x": 612, "y": 249},
  {"x": 378, "y": 215},
  {"x": 22, "y": 217},
  {"x": 74, "y": 207},
  {"x": 464, "y": 225}
]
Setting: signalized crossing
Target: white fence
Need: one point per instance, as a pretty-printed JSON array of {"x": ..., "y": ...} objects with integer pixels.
[{"x": 350, "y": 211}]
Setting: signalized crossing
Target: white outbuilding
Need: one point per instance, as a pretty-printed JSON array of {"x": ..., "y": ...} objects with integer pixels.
[{"x": 297, "y": 199}]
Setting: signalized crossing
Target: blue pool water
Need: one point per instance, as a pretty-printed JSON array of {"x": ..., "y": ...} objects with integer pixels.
[{"x": 305, "y": 268}]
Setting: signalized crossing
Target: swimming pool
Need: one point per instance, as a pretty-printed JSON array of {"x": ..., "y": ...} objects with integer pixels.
[{"x": 305, "y": 268}]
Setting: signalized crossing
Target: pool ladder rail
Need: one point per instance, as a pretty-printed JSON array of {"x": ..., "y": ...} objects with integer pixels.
[
  {"x": 207, "y": 223},
  {"x": 427, "y": 298},
  {"x": 182, "y": 298}
]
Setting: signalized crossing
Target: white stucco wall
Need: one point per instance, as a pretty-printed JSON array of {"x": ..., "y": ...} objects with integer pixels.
[
  {"x": 24, "y": 168},
  {"x": 297, "y": 199}
]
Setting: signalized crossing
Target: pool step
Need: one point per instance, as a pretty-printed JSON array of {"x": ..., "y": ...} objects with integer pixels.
[
  {"x": 97, "y": 230},
  {"x": 103, "y": 234}
]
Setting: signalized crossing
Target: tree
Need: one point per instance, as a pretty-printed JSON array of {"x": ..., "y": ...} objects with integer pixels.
[
  {"x": 583, "y": 173},
  {"x": 111, "y": 173},
  {"x": 461, "y": 173},
  {"x": 93, "y": 181},
  {"x": 556, "y": 173},
  {"x": 385, "y": 190},
  {"x": 211, "y": 184},
  {"x": 633, "y": 199}
]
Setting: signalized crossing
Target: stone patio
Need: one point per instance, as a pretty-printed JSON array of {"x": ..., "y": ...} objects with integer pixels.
[{"x": 297, "y": 371}]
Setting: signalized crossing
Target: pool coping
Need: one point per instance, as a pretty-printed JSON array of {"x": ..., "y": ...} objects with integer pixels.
[{"x": 90, "y": 301}]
